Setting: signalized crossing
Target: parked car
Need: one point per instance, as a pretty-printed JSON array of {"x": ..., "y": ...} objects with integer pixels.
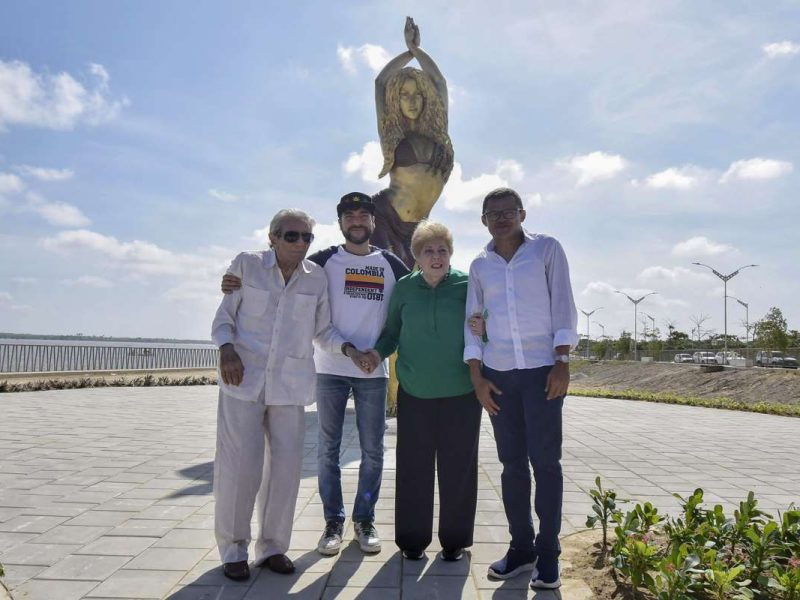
[
  {"x": 704, "y": 358},
  {"x": 773, "y": 358},
  {"x": 683, "y": 358},
  {"x": 723, "y": 359}
]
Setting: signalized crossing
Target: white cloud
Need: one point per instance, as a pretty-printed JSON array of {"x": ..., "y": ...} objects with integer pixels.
[
  {"x": 462, "y": 195},
  {"x": 598, "y": 287},
  {"x": 368, "y": 163},
  {"x": 61, "y": 214},
  {"x": 374, "y": 57},
  {"x": 785, "y": 48},
  {"x": 595, "y": 166},
  {"x": 678, "y": 178},
  {"x": 54, "y": 101},
  {"x": 222, "y": 196},
  {"x": 10, "y": 184},
  {"x": 91, "y": 281},
  {"x": 44, "y": 174},
  {"x": 699, "y": 246},
  {"x": 757, "y": 168},
  {"x": 674, "y": 276},
  {"x": 6, "y": 298}
]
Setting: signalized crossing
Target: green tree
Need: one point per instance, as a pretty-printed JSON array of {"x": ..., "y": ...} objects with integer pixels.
[
  {"x": 624, "y": 345},
  {"x": 771, "y": 332}
]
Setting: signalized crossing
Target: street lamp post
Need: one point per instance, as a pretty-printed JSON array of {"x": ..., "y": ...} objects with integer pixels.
[
  {"x": 746, "y": 321},
  {"x": 725, "y": 279},
  {"x": 589, "y": 314},
  {"x": 635, "y": 317},
  {"x": 602, "y": 337},
  {"x": 653, "y": 334}
]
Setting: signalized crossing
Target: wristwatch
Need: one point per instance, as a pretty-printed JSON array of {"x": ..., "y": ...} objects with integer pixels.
[{"x": 564, "y": 358}]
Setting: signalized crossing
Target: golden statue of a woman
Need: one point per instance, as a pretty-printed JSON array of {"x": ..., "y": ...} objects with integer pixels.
[{"x": 417, "y": 152}]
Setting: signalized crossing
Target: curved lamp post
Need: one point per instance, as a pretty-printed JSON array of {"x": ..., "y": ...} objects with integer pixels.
[
  {"x": 725, "y": 279},
  {"x": 589, "y": 314},
  {"x": 635, "y": 318}
]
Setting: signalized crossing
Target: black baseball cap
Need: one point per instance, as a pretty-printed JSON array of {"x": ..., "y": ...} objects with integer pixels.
[{"x": 355, "y": 200}]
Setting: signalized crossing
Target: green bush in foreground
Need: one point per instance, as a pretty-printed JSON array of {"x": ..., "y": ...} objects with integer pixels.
[
  {"x": 786, "y": 410},
  {"x": 704, "y": 553}
]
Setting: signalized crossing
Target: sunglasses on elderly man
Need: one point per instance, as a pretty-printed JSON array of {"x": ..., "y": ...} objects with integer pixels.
[{"x": 293, "y": 236}]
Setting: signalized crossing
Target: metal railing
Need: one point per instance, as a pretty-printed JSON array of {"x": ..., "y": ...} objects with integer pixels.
[{"x": 37, "y": 358}]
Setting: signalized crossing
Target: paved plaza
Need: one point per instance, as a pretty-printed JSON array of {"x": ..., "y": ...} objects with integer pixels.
[{"x": 106, "y": 493}]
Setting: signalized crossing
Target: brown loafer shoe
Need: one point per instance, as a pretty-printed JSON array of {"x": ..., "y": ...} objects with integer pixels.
[
  {"x": 280, "y": 563},
  {"x": 238, "y": 571}
]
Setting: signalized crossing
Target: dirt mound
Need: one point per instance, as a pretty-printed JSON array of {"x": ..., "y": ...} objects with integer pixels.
[{"x": 746, "y": 385}]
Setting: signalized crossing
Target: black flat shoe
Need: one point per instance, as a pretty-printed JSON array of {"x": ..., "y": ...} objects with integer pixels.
[
  {"x": 452, "y": 554},
  {"x": 238, "y": 571},
  {"x": 412, "y": 554},
  {"x": 280, "y": 563}
]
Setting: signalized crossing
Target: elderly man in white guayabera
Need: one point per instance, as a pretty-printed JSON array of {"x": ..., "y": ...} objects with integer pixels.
[{"x": 264, "y": 331}]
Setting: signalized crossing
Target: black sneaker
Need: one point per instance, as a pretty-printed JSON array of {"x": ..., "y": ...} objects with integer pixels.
[
  {"x": 331, "y": 541},
  {"x": 545, "y": 574},
  {"x": 512, "y": 564},
  {"x": 452, "y": 554}
]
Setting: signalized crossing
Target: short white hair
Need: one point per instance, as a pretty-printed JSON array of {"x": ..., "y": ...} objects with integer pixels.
[{"x": 283, "y": 215}]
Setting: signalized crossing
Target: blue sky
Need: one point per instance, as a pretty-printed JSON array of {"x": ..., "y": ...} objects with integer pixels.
[{"x": 142, "y": 145}]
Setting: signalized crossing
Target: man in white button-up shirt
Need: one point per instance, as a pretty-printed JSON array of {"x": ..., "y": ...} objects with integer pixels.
[
  {"x": 265, "y": 332},
  {"x": 520, "y": 285}
]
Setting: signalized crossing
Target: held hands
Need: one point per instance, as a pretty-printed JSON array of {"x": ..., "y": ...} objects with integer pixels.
[
  {"x": 557, "y": 381},
  {"x": 366, "y": 361},
  {"x": 411, "y": 33},
  {"x": 230, "y": 283},
  {"x": 230, "y": 365}
]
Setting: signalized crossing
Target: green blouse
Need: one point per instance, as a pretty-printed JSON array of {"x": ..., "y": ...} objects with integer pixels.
[{"x": 426, "y": 326}]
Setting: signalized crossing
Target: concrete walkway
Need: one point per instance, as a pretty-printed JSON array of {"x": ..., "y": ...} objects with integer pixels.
[{"x": 106, "y": 493}]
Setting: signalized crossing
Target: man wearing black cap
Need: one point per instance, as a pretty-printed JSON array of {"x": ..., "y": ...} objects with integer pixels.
[{"x": 360, "y": 282}]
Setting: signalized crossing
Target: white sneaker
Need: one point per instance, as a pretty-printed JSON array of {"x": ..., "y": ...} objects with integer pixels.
[
  {"x": 367, "y": 537},
  {"x": 331, "y": 541}
]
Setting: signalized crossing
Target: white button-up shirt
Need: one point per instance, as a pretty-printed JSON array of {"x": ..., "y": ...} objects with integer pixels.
[
  {"x": 271, "y": 324},
  {"x": 527, "y": 305}
]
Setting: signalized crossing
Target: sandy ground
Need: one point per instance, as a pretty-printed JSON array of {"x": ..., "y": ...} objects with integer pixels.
[{"x": 747, "y": 385}]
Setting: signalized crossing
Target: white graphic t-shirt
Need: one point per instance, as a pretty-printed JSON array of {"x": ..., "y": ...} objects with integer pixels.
[{"x": 359, "y": 288}]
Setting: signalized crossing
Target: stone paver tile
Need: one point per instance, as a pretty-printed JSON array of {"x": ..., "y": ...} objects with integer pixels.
[
  {"x": 30, "y": 524},
  {"x": 209, "y": 572},
  {"x": 197, "y": 522},
  {"x": 434, "y": 586},
  {"x": 37, "y": 554},
  {"x": 124, "y": 504},
  {"x": 10, "y": 540},
  {"x": 169, "y": 512},
  {"x": 106, "y": 518},
  {"x": 299, "y": 586},
  {"x": 144, "y": 528},
  {"x": 207, "y": 592},
  {"x": 187, "y": 538},
  {"x": 354, "y": 593},
  {"x": 118, "y": 546},
  {"x": 432, "y": 564},
  {"x": 85, "y": 567},
  {"x": 41, "y": 589},
  {"x": 16, "y": 575},
  {"x": 482, "y": 581},
  {"x": 71, "y": 534},
  {"x": 137, "y": 584},
  {"x": 366, "y": 574},
  {"x": 167, "y": 559}
]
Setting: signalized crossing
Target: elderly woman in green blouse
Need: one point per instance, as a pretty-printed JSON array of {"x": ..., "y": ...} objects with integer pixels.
[{"x": 438, "y": 415}]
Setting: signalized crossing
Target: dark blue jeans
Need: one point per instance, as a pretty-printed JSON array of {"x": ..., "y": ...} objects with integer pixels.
[
  {"x": 369, "y": 395},
  {"x": 528, "y": 428}
]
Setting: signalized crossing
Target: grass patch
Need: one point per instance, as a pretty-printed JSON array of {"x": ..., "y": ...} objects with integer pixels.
[
  {"x": 148, "y": 380},
  {"x": 785, "y": 410}
]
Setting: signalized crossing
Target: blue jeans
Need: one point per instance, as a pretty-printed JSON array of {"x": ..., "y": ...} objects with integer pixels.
[
  {"x": 370, "y": 402},
  {"x": 528, "y": 428}
]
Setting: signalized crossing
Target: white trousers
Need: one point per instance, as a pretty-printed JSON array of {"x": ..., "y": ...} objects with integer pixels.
[{"x": 258, "y": 462}]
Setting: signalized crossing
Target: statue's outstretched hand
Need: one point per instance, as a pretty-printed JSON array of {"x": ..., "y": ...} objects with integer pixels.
[{"x": 411, "y": 33}]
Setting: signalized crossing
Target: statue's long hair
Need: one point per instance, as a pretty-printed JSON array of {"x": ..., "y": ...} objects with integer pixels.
[{"x": 431, "y": 123}]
